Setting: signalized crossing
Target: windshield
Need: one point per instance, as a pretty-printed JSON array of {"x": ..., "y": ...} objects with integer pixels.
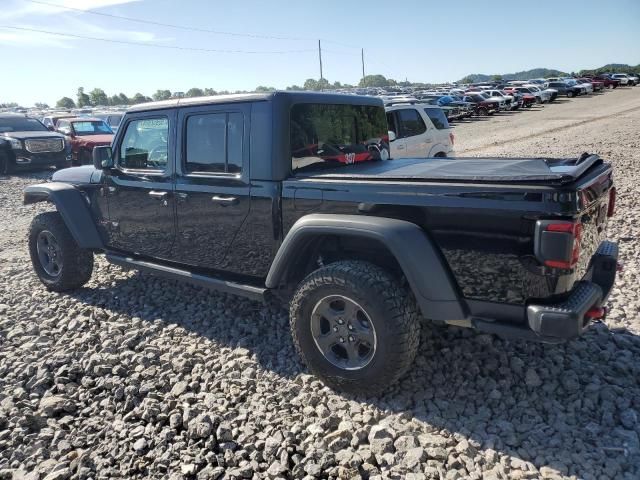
[
  {"x": 114, "y": 120},
  {"x": 21, "y": 124},
  {"x": 91, "y": 127},
  {"x": 323, "y": 135}
]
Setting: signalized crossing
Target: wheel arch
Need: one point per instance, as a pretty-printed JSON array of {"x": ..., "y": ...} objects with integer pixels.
[
  {"x": 73, "y": 208},
  {"x": 421, "y": 263}
]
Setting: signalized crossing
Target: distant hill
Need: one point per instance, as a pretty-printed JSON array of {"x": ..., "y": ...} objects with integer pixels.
[
  {"x": 547, "y": 72},
  {"x": 525, "y": 75}
]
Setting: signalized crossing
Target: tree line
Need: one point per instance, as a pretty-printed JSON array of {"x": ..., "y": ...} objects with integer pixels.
[{"x": 99, "y": 98}]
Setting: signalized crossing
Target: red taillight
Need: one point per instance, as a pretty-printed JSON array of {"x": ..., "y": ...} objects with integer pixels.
[
  {"x": 573, "y": 229},
  {"x": 452, "y": 137},
  {"x": 612, "y": 202},
  {"x": 596, "y": 313}
]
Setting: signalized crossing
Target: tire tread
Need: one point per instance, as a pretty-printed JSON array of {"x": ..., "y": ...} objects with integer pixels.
[
  {"x": 400, "y": 305},
  {"x": 77, "y": 262}
]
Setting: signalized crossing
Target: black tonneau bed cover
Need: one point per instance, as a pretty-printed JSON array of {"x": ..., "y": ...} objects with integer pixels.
[{"x": 499, "y": 170}]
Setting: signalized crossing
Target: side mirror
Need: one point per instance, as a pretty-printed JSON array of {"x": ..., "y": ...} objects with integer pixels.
[
  {"x": 392, "y": 135},
  {"x": 102, "y": 157}
]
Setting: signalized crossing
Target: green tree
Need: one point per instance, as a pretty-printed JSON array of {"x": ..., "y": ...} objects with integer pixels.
[
  {"x": 467, "y": 79},
  {"x": 122, "y": 99},
  {"x": 65, "y": 102},
  {"x": 162, "y": 95},
  {"x": 41, "y": 105},
  {"x": 210, "y": 92},
  {"x": 83, "y": 98},
  {"x": 139, "y": 98},
  {"x": 295, "y": 88},
  {"x": 98, "y": 97},
  {"x": 263, "y": 89},
  {"x": 375, "y": 81},
  {"x": 496, "y": 78},
  {"x": 194, "y": 92},
  {"x": 312, "y": 84}
]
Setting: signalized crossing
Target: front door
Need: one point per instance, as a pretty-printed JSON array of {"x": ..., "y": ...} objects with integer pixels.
[
  {"x": 212, "y": 186},
  {"x": 399, "y": 145},
  {"x": 140, "y": 187}
]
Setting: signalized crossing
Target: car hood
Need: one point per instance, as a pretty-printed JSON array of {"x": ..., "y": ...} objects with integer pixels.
[
  {"x": 22, "y": 135},
  {"x": 78, "y": 175},
  {"x": 104, "y": 139}
]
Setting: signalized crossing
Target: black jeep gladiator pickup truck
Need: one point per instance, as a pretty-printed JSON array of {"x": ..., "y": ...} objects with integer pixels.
[{"x": 288, "y": 196}]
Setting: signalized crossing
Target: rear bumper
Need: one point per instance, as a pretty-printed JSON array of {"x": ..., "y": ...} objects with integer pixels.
[
  {"x": 569, "y": 319},
  {"x": 557, "y": 321}
]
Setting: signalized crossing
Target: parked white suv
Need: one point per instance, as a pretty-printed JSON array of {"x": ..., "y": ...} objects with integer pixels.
[
  {"x": 418, "y": 130},
  {"x": 624, "y": 78}
]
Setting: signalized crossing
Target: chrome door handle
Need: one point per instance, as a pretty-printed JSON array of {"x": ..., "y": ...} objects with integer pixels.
[
  {"x": 158, "y": 195},
  {"x": 224, "y": 201}
]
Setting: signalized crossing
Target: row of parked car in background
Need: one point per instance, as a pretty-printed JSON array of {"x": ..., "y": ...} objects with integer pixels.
[{"x": 419, "y": 119}]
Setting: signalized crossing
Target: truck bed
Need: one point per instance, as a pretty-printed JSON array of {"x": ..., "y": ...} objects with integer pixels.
[{"x": 490, "y": 170}]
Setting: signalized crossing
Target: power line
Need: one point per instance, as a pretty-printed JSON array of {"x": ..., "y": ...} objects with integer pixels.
[
  {"x": 155, "y": 45},
  {"x": 170, "y": 25},
  {"x": 183, "y": 27}
]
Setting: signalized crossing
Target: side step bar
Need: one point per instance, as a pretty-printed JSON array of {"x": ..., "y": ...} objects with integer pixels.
[{"x": 248, "y": 291}]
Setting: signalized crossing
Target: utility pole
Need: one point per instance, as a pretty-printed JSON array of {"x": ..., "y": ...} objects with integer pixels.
[
  {"x": 362, "y": 64},
  {"x": 320, "y": 57}
]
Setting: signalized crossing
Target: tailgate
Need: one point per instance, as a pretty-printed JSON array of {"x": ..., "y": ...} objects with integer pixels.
[{"x": 596, "y": 196}]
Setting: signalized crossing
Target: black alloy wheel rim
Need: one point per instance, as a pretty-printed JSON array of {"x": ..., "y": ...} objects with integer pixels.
[
  {"x": 343, "y": 332},
  {"x": 49, "y": 253}
]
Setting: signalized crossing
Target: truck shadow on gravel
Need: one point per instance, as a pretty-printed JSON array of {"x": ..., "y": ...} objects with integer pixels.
[{"x": 571, "y": 409}]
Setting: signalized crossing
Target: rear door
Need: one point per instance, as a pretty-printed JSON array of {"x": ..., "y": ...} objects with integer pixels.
[{"x": 212, "y": 183}]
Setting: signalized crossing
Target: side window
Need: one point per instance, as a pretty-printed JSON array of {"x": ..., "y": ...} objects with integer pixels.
[
  {"x": 145, "y": 144},
  {"x": 214, "y": 143},
  {"x": 410, "y": 122},
  {"x": 438, "y": 118}
]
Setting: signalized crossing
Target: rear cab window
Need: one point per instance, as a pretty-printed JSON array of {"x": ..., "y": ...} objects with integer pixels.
[{"x": 327, "y": 135}]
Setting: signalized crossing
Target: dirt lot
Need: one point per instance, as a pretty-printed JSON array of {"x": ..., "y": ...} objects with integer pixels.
[{"x": 135, "y": 377}]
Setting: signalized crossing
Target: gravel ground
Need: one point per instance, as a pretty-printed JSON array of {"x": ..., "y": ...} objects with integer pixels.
[{"x": 136, "y": 377}]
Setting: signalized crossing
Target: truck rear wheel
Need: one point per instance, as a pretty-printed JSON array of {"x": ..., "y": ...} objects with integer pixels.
[
  {"x": 354, "y": 326},
  {"x": 57, "y": 259}
]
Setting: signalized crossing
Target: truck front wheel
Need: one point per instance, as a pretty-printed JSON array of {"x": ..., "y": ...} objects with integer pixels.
[
  {"x": 354, "y": 326},
  {"x": 57, "y": 259}
]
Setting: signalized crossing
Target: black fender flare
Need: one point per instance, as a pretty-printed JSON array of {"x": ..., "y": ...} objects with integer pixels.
[
  {"x": 423, "y": 265},
  {"x": 72, "y": 206}
]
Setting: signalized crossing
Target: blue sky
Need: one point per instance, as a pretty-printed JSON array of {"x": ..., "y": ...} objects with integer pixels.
[{"x": 421, "y": 40}]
